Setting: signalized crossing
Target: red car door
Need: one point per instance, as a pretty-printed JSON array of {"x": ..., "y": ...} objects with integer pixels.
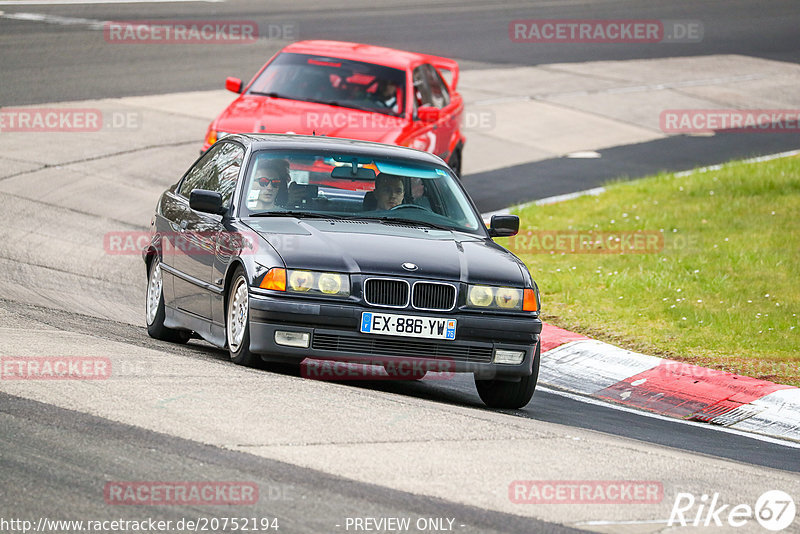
[
  {"x": 450, "y": 110},
  {"x": 423, "y": 134}
]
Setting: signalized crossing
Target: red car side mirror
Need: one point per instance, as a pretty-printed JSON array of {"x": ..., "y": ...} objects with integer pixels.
[
  {"x": 428, "y": 114},
  {"x": 233, "y": 84}
]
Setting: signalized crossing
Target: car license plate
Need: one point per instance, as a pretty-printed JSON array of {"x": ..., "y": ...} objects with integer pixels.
[{"x": 407, "y": 325}]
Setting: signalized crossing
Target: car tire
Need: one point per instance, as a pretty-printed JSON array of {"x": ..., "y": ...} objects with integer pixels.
[
  {"x": 510, "y": 395},
  {"x": 455, "y": 162},
  {"x": 155, "y": 310},
  {"x": 237, "y": 321}
]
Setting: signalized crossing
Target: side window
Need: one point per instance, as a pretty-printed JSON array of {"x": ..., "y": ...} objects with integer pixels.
[
  {"x": 225, "y": 171},
  {"x": 197, "y": 177},
  {"x": 218, "y": 171},
  {"x": 422, "y": 92},
  {"x": 440, "y": 97}
]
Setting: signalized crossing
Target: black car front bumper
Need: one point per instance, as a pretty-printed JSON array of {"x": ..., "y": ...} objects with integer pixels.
[{"x": 334, "y": 335}]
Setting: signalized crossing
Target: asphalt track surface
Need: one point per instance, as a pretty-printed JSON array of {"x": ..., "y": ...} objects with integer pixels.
[
  {"x": 48, "y": 452},
  {"x": 545, "y": 406},
  {"x": 74, "y": 444},
  {"x": 79, "y": 66}
]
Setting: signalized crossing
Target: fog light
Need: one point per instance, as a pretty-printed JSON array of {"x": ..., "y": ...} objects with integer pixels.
[
  {"x": 292, "y": 339},
  {"x": 508, "y": 356}
]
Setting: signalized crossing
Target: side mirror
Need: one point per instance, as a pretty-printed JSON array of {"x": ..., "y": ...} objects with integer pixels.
[
  {"x": 233, "y": 85},
  {"x": 428, "y": 114},
  {"x": 503, "y": 226},
  {"x": 206, "y": 201}
]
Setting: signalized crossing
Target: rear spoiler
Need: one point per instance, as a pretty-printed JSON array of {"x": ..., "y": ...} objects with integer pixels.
[{"x": 450, "y": 68}]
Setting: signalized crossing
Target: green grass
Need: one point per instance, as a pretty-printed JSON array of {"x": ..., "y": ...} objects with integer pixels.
[{"x": 724, "y": 292}]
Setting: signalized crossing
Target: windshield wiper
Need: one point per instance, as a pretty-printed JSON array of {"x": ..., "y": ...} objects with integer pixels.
[
  {"x": 271, "y": 94},
  {"x": 346, "y": 104},
  {"x": 411, "y": 222},
  {"x": 334, "y": 103},
  {"x": 297, "y": 214}
]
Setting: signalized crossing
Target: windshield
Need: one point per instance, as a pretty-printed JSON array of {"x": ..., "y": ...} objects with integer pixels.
[
  {"x": 355, "y": 187},
  {"x": 333, "y": 81}
]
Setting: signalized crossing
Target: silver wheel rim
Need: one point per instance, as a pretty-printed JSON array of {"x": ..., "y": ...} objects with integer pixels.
[
  {"x": 154, "y": 286},
  {"x": 237, "y": 314}
]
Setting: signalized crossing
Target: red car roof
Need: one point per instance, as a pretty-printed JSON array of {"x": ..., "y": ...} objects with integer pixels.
[{"x": 379, "y": 55}]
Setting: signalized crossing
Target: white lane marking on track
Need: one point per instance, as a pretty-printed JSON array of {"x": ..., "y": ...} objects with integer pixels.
[
  {"x": 583, "y": 154},
  {"x": 619, "y": 90},
  {"x": 598, "y": 190},
  {"x": 597, "y": 402},
  {"x": 55, "y": 19},
  {"x": 759, "y": 159},
  {"x": 642, "y": 522},
  {"x": 76, "y": 2}
]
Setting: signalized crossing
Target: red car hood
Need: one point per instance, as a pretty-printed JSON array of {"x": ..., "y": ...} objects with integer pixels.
[{"x": 259, "y": 114}]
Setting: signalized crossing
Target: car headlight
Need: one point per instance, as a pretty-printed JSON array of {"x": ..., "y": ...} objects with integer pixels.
[
  {"x": 499, "y": 298},
  {"x": 507, "y": 298},
  {"x": 310, "y": 282},
  {"x": 330, "y": 283},
  {"x": 301, "y": 281},
  {"x": 480, "y": 296},
  {"x": 307, "y": 282}
]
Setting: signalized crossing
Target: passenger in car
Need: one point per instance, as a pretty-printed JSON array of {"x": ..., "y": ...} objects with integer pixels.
[
  {"x": 418, "y": 195},
  {"x": 386, "y": 95}
]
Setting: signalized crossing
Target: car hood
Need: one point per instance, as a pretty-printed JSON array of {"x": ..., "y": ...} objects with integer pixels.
[
  {"x": 381, "y": 249},
  {"x": 260, "y": 114}
]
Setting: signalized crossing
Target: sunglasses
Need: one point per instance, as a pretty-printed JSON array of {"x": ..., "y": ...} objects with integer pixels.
[{"x": 264, "y": 182}]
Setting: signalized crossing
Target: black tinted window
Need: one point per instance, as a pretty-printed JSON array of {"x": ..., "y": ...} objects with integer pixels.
[
  {"x": 217, "y": 171},
  {"x": 198, "y": 176}
]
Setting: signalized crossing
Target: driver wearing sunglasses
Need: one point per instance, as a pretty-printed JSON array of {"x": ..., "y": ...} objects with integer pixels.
[{"x": 269, "y": 187}]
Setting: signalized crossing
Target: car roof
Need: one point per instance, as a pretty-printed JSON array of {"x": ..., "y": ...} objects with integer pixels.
[
  {"x": 379, "y": 55},
  {"x": 306, "y": 142}
]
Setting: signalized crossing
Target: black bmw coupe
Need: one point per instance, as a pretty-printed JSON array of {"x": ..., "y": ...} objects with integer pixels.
[{"x": 283, "y": 248}]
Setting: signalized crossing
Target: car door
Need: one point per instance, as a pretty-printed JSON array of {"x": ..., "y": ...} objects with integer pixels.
[
  {"x": 167, "y": 224},
  {"x": 448, "y": 124},
  {"x": 195, "y": 248},
  {"x": 227, "y": 240},
  {"x": 424, "y": 134}
]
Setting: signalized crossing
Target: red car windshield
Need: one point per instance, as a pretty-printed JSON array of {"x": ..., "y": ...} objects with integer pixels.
[{"x": 338, "y": 82}]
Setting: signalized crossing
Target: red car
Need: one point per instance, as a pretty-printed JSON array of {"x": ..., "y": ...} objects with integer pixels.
[{"x": 353, "y": 91}]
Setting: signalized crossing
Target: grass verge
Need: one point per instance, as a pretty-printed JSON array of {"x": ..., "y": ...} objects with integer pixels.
[{"x": 711, "y": 274}]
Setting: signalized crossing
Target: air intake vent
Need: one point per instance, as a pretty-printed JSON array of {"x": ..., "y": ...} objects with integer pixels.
[
  {"x": 386, "y": 346},
  {"x": 433, "y": 296},
  {"x": 388, "y": 292}
]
